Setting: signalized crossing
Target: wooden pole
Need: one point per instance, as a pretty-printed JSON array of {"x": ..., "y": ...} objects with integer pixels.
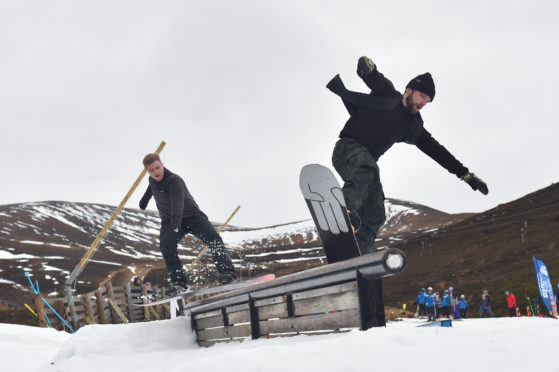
[
  {"x": 108, "y": 225},
  {"x": 118, "y": 311},
  {"x": 40, "y": 311},
  {"x": 89, "y": 307},
  {"x": 100, "y": 306},
  {"x": 60, "y": 308},
  {"x": 219, "y": 231},
  {"x": 111, "y": 295}
]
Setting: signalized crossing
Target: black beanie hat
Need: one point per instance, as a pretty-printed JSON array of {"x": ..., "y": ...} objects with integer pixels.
[{"x": 424, "y": 83}]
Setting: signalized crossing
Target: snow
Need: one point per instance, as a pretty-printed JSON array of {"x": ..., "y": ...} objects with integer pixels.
[
  {"x": 239, "y": 238},
  {"x": 5, "y": 255},
  {"x": 32, "y": 242},
  {"x": 43, "y": 212},
  {"x": 497, "y": 344}
]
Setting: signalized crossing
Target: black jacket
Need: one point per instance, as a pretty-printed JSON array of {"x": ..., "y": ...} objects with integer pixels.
[
  {"x": 379, "y": 119},
  {"x": 173, "y": 200}
]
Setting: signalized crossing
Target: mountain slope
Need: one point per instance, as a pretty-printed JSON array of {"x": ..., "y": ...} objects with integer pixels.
[
  {"x": 492, "y": 250},
  {"x": 468, "y": 251}
]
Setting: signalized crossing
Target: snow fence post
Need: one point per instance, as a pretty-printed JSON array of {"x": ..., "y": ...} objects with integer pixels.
[
  {"x": 371, "y": 301},
  {"x": 254, "y": 320},
  {"x": 40, "y": 311},
  {"x": 100, "y": 307}
]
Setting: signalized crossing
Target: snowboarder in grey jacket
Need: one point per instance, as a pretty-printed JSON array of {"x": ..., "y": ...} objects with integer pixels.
[
  {"x": 377, "y": 121},
  {"x": 180, "y": 215}
]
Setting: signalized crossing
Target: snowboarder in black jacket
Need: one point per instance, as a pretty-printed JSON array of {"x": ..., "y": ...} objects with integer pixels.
[
  {"x": 377, "y": 121},
  {"x": 180, "y": 215}
]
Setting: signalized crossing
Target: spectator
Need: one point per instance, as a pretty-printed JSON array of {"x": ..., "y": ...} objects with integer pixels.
[
  {"x": 421, "y": 303},
  {"x": 557, "y": 298},
  {"x": 439, "y": 304},
  {"x": 446, "y": 304},
  {"x": 511, "y": 303},
  {"x": 454, "y": 303},
  {"x": 463, "y": 306},
  {"x": 430, "y": 304},
  {"x": 485, "y": 305}
]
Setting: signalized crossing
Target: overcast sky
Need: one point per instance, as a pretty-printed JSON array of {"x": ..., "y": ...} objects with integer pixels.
[{"x": 237, "y": 90}]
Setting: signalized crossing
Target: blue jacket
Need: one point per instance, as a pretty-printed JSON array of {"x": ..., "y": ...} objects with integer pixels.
[
  {"x": 446, "y": 300},
  {"x": 463, "y": 304},
  {"x": 420, "y": 297},
  {"x": 429, "y": 299}
]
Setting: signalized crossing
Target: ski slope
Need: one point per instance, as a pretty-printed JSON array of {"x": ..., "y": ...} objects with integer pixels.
[{"x": 503, "y": 344}]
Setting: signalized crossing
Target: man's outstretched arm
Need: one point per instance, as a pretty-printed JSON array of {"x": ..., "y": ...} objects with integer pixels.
[
  {"x": 441, "y": 155},
  {"x": 377, "y": 83}
]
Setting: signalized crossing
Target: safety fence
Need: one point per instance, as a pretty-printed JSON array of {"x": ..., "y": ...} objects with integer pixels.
[{"x": 106, "y": 305}]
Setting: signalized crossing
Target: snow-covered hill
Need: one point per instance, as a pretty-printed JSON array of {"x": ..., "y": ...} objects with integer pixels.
[{"x": 48, "y": 239}]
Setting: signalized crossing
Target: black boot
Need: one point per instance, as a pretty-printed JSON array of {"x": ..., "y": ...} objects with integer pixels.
[
  {"x": 175, "y": 290},
  {"x": 227, "y": 277}
]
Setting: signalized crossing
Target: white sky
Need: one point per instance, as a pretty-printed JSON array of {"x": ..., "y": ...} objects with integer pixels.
[{"x": 237, "y": 90}]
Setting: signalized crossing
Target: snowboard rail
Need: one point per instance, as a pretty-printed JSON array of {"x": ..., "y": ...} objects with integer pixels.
[{"x": 329, "y": 298}]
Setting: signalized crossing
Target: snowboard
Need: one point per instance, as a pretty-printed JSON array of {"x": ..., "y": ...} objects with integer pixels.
[
  {"x": 212, "y": 290},
  {"x": 325, "y": 200}
]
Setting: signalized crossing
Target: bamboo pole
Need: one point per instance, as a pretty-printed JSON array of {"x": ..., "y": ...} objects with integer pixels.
[
  {"x": 103, "y": 232},
  {"x": 87, "y": 256},
  {"x": 219, "y": 231}
]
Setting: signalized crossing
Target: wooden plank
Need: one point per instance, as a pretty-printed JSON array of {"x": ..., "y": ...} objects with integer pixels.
[
  {"x": 273, "y": 311},
  {"x": 120, "y": 301},
  {"x": 345, "y": 287},
  {"x": 235, "y": 308},
  {"x": 341, "y": 319},
  {"x": 118, "y": 311},
  {"x": 80, "y": 316},
  {"x": 129, "y": 303},
  {"x": 211, "y": 322},
  {"x": 239, "y": 317},
  {"x": 207, "y": 314},
  {"x": 213, "y": 342},
  {"x": 270, "y": 301},
  {"x": 154, "y": 313},
  {"x": 331, "y": 302},
  {"x": 309, "y": 333},
  {"x": 242, "y": 330},
  {"x": 379, "y": 264}
]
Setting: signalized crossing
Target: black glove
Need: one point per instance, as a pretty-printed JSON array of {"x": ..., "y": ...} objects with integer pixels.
[
  {"x": 475, "y": 183},
  {"x": 143, "y": 204},
  {"x": 364, "y": 67},
  {"x": 145, "y": 200},
  {"x": 178, "y": 233}
]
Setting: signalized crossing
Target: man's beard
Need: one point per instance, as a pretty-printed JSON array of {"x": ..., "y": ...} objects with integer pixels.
[{"x": 410, "y": 105}]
